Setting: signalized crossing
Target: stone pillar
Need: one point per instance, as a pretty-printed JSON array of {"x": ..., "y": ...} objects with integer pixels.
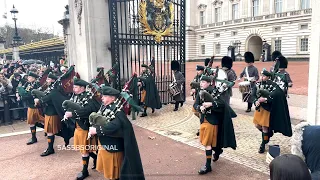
[
  {"x": 314, "y": 67},
  {"x": 15, "y": 53},
  {"x": 89, "y": 36}
]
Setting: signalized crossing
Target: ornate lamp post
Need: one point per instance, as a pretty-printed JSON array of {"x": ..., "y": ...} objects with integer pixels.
[
  {"x": 16, "y": 38},
  {"x": 65, "y": 22}
]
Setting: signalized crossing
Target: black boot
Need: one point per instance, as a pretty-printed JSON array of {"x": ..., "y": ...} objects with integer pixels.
[
  {"x": 152, "y": 110},
  {"x": 198, "y": 133},
  {"x": 33, "y": 138},
  {"x": 66, "y": 142},
  {"x": 217, "y": 153},
  {"x": 207, "y": 168},
  {"x": 94, "y": 157},
  {"x": 176, "y": 106},
  {"x": 50, "y": 149},
  {"x": 181, "y": 103},
  {"x": 144, "y": 112},
  {"x": 249, "y": 107},
  {"x": 265, "y": 140},
  {"x": 84, "y": 173}
]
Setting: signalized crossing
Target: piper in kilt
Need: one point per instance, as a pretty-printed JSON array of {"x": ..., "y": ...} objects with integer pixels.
[
  {"x": 195, "y": 89},
  {"x": 118, "y": 156},
  {"x": 33, "y": 115},
  {"x": 216, "y": 129},
  {"x": 52, "y": 120},
  {"x": 149, "y": 92},
  {"x": 179, "y": 80},
  {"x": 88, "y": 105},
  {"x": 251, "y": 74},
  {"x": 272, "y": 113}
]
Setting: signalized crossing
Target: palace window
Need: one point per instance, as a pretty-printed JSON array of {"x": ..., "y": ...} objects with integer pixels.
[
  {"x": 278, "y": 6},
  {"x": 277, "y": 29},
  {"x": 203, "y": 49},
  {"x": 235, "y": 11},
  {"x": 303, "y": 26},
  {"x": 217, "y": 35},
  {"x": 217, "y": 48},
  {"x": 202, "y": 17},
  {"x": 305, "y": 4},
  {"x": 304, "y": 42},
  {"x": 277, "y": 45},
  {"x": 234, "y": 33},
  {"x": 217, "y": 14},
  {"x": 255, "y": 8},
  {"x": 201, "y": 37}
]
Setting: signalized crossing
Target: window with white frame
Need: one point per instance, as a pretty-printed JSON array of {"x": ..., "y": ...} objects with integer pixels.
[
  {"x": 217, "y": 12},
  {"x": 235, "y": 11},
  {"x": 217, "y": 48},
  {"x": 234, "y": 33},
  {"x": 278, "y": 6},
  {"x": 304, "y": 42},
  {"x": 202, "y": 17},
  {"x": 203, "y": 49},
  {"x": 277, "y": 45},
  {"x": 255, "y": 8},
  {"x": 201, "y": 37},
  {"x": 217, "y": 35},
  {"x": 277, "y": 29},
  {"x": 303, "y": 26},
  {"x": 304, "y": 4}
]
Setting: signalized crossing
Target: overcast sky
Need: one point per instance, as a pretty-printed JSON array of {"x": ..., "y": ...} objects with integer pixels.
[{"x": 35, "y": 13}]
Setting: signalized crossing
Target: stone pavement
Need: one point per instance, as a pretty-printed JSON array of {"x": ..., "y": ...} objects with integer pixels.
[
  {"x": 182, "y": 127},
  {"x": 162, "y": 158}
]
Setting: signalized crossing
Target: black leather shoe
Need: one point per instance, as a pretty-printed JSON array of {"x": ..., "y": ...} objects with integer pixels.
[
  {"x": 47, "y": 152},
  {"x": 204, "y": 170},
  {"x": 143, "y": 115},
  {"x": 175, "y": 109},
  {"x": 262, "y": 148},
  {"x": 181, "y": 104},
  {"x": 82, "y": 175},
  {"x": 248, "y": 110},
  {"x": 45, "y": 134},
  {"x": 152, "y": 110},
  {"x": 32, "y": 141}
]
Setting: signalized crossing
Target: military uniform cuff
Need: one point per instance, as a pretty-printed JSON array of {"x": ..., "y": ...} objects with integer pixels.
[
  {"x": 99, "y": 130},
  {"x": 75, "y": 114}
]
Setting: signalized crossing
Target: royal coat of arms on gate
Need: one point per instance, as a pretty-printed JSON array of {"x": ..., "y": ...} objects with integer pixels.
[{"x": 156, "y": 18}]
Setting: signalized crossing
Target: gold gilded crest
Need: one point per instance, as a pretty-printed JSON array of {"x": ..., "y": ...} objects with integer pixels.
[{"x": 156, "y": 18}]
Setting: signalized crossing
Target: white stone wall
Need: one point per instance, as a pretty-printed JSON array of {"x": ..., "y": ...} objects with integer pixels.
[
  {"x": 90, "y": 49},
  {"x": 246, "y": 26}
]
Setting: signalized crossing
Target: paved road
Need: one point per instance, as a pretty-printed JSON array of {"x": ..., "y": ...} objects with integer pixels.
[{"x": 162, "y": 158}]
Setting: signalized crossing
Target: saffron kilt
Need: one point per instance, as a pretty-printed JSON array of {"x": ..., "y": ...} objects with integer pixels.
[
  {"x": 33, "y": 116},
  {"x": 52, "y": 124},
  {"x": 109, "y": 163},
  {"x": 80, "y": 140},
  {"x": 208, "y": 134},
  {"x": 261, "y": 117},
  {"x": 143, "y": 95}
]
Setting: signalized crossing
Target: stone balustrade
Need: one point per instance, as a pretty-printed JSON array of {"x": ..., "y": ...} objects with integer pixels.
[{"x": 258, "y": 18}]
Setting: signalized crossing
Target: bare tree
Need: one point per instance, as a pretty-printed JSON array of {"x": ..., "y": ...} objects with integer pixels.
[{"x": 27, "y": 35}]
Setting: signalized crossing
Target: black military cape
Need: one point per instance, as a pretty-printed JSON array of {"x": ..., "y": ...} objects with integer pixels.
[
  {"x": 226, "y": 136},
  {"x": 279, "y": 113},
  {"x": 152, "y": 98},
  {"x": 68, "y": 126},
  {"x": 131, "y": 166}
]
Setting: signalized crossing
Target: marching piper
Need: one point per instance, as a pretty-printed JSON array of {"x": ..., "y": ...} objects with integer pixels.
[
  {"x": 251, "y": 75},
  {"x": 216, "y": 129},
  {"x": 272, "y": 113},
  {"x": 118, "y": 156},
  {"x": 178, "y": 80},
  {"x": 149, "y": 92},
  {"x": 88, "y": 105},
  {"x": 33, "y": 114},
  {"x": 285, "y": 81},
  {"x": 195, "y": 89},
  {"x": 53, "y": 111},
  {"x": 226, "y": 64}
]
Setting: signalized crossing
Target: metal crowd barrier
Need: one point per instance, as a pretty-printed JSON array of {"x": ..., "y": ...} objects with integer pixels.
[{"x": 11, "y": 106}]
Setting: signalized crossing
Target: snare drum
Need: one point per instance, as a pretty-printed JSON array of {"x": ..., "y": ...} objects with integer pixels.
[{"x": 244, "y": 87}]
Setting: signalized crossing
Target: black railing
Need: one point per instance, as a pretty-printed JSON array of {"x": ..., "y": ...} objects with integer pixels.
[{"x": 12, "y": 108}]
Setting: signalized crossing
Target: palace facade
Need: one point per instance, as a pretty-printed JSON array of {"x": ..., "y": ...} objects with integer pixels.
[{"x": 258, "y": 26}]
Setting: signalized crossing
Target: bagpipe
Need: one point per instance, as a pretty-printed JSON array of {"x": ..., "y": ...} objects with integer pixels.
[
  {"x": 124, "y": 98},
  {"x": 69, "y": 105}
]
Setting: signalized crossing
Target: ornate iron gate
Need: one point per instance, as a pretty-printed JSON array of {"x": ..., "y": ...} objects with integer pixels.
[{"x": 131, "y": 46}]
